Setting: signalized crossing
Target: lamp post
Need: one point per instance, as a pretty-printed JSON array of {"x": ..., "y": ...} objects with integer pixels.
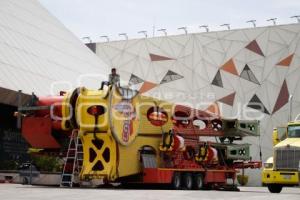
[
  {"x": 184, "y": 29},
  {"x": 253, "y": 22},
  {"x": 227, "y": 25},
  {"x": 124, "y": 34},
  {"x": 163, "y": 30},
  {"x": 106, "y": 37},
  {"x": 272, "y": 20},
  {"x": 144, "y": 33},
  {"x": 291, "y": 107},
  {"x": 296, "y": 17},
  {"x": 204, "y": 26},
  {"x": 87, "y": 38}
]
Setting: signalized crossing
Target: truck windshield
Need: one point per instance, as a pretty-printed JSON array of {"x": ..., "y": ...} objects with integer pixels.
[{"x": 294, "y": 131}]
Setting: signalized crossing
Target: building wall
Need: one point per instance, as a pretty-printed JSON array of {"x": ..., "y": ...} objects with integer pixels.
[
  {"x": 38, "y": 54},
  {"x": 235, "y": 69}
]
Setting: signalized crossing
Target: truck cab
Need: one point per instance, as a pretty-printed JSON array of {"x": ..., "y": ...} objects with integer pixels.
[{"x": 283, "y": 168}]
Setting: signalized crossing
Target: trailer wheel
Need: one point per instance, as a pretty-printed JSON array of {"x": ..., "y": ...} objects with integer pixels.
[
  {"x": 198, "y": 182},
  {"x": 188, "y": 181},
  {"x": 274, "y": 188},
  {"x": 176, "y": 181}
]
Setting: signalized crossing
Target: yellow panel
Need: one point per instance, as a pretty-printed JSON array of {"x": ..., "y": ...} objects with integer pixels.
[
  {"x": 90, "y": 168},
  {"x": 123, "y": 117},
  {"x": 86, "y": 121},
  {"x": 129, "y": 161},
  {"x": 65, "y": 109},
  {"x": 270, "y": 177},
  {"x": 145, "y": 125}
]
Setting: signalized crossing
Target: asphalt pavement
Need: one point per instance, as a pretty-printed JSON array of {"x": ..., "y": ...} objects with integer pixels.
[{"x": 27, "y": 192}]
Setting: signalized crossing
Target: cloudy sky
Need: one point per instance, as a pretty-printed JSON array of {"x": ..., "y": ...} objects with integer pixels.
[{"x": 98, "y": 17}]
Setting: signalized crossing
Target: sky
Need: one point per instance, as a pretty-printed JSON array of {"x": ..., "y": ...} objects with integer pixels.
[{"x": 95, "y": 18}]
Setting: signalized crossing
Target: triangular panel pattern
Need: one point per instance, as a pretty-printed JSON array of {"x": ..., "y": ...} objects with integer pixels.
[
  {"x": 254, "y": 47},
  {"x": 247, "y": 74},
  {"x": 135, "y": 80},
  {"x": 253, "y": 63},
  {"x": 283, "y": 97},
  {"x": 286, "y": 61},
  {"x": 229, "y": 99},
  {"x": 229, "y": 66},
  {"x": 256, "y": 104},
  {"x": 170, "y": 76},
  {"x": 147, "y": 86},
  {"x": 218, "y": 80},
  {"x": 155, "y": 57}
]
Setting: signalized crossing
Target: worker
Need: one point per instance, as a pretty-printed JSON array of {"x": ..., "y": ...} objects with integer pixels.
[{"x": 113, "y": 79}]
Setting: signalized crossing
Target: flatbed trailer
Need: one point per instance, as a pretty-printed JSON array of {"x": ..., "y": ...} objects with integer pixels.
[{"x": 189, "y": 178}]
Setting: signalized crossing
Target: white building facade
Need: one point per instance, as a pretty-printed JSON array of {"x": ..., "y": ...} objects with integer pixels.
[
  {"x": 247, "y": 70},
  {"x": 39, "y": 54}
]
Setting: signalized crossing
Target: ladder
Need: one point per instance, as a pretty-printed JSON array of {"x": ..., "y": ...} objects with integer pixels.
[{"x": 73, "y": 161}]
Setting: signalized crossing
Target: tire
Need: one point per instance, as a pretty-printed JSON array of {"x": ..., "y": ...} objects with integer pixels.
[
  {"x": 188, "y": 181},
  {"x": 176, "y": 181},
  {"x": 274, "y": 188},
  {"x": 198, "y": 182}
]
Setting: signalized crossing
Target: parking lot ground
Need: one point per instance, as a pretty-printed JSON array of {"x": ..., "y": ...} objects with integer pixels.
[{"x": 27, "y": 192}]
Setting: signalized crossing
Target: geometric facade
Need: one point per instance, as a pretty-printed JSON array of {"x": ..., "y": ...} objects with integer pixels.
[
  {"x": 254, "y": 68},
  {"x": 217, "y": 81},
  {"x": 170, "y": 76},
  {"x": 256, "y": 104},
  {"x": 247, "y": 74},
  {"x": 134, "y": 80},
  {"x": 230, "y": 67},
  {"x": 283, "y": 97},
  {"x": 253, "y": 46},
  {"x": 229, "y": 99}
]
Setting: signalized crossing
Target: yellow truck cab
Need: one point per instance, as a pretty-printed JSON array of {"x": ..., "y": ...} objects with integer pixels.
[{"x": 283, "y": 169}]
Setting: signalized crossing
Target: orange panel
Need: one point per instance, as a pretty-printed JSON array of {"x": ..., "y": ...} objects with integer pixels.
[
  {"x": 229, "y": 99},
  {"x": 229, "y": 66},
  {"x": 287, "y": 61},
  {"x": 155, "y": 57},
  {"x": 147, "y": 86},
  {"x": 37, "y": 132}
]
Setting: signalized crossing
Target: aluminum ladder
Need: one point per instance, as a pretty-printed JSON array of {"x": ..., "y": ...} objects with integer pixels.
[{"x": 73, "y": 161}]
